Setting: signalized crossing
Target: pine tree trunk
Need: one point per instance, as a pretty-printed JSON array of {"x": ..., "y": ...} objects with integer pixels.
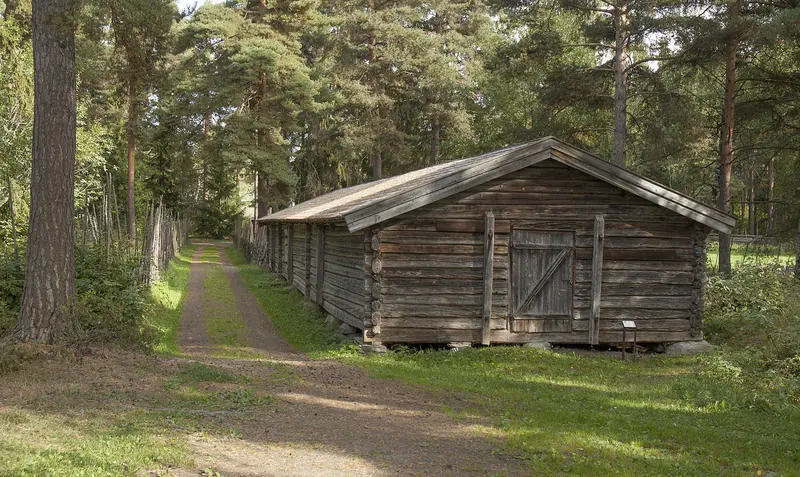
[
  {"x": 726, "y": 153},
  {"x": 262, "y": 184},
  {"x": 13, "y": 222},
  {"x": 771, "y": 197},
  {"x": 621, "y": 83},
  {"x": 751, "y": 206},
  {"x": 133, "y": 118},
  {"x": 797, "y": 252},
  {"x": 377, "y": 166},
  {"x": 376, "y": 161},
  {"x": 48, "y": 297},
  {"x": 435, "y": 134}
]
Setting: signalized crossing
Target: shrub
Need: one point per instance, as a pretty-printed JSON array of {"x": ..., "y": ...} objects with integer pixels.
[
  {"x": 11, "y": 279},
  {"x": 754, "y": 316},
  {"x": 111, "y": 303}
]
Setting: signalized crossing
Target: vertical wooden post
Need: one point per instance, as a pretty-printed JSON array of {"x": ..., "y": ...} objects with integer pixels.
[
  {"x": 290, "y": 255},
  {"x": 267, "y": 244},
  {"x": 488, "y": 278},
  {"x": 279, "y": 264},
  {"x": 698, "y": 279},
  {"x": 597, "y": 279},
  {"x": 307, "y": 291},
  {"x": 273, "y": 263},
  {"x": 320, "y": 263}
]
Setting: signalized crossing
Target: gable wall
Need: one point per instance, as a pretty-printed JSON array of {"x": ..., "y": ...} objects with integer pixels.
[{"x": 431, "y": 283}]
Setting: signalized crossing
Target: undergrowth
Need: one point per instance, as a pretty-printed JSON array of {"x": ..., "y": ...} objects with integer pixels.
[
  {"x": 754, "y": 318},
  {"x": 110, "y": 305},
  {"x": 166, "y": 300}
]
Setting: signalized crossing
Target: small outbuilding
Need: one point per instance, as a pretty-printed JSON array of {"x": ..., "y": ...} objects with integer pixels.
[{"x": 535, "y": 242}]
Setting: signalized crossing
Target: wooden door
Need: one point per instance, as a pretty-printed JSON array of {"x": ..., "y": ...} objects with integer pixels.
[{"x": 541, "y": 281}]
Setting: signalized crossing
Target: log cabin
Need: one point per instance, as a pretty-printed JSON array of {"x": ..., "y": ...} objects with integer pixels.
[{"x": 538, "y": 242}]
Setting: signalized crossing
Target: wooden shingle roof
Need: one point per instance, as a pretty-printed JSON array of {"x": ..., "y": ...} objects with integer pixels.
[{"x": 374, "y": 202}]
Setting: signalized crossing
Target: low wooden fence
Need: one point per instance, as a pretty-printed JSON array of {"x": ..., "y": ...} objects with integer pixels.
[{"x": 165, "y": 232}]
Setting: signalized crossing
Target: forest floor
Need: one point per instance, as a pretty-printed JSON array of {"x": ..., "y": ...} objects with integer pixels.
[{"x": 311, "y": 417}]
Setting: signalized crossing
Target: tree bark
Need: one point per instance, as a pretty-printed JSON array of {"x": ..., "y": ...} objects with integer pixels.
[
  {"x": 771, "y": 197},
  {"x": 751, "y": 206},
  {"x": 13, "y": 220},
  {"x": 48, "y": 296},
  {"x": 376, "y": 161},
  {"x": 797, "y": 252},
  {"x": 262, "y": 182},
  {"x": 726, "y": 151},
  {"x": 621, "y": 82},
  {"x": 133, "y": 118},
  {"x": 377, "y": 166},
  {"x": 436, "y": 130}
]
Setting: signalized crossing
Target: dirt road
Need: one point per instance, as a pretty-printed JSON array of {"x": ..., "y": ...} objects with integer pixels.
[{"x": 331, "y": 419}]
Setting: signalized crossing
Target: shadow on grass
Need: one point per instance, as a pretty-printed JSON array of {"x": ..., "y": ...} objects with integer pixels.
[
  {"x": 568, "y": 413},
  {"x": 574, "y": 424},
  {"x": 557, "y": 413}
]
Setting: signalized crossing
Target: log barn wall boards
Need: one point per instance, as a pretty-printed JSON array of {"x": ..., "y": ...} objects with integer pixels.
[{"x": 536, "y": 242}]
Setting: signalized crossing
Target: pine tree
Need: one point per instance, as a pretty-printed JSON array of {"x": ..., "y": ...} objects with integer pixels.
[
  {"x": 47, "y": 303},
  {"x": 141, "y": 37}
]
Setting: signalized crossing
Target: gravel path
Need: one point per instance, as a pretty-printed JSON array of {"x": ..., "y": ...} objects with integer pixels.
[
  {"x": 334, "y": 420},
  {"x": 192, "y": 330}
]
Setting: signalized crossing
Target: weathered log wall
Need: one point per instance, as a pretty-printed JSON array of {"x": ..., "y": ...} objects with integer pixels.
[
  {"x": 300, "y": 251},
  {"x": 343, "y": 286},
  {"x": 432, "y": 286}
]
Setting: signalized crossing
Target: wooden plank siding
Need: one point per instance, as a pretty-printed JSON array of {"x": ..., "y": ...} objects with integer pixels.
[
  {"x": 295, "y": 249},
  {"x": 343, "y": 285},
  {"x": 432, "y": 285},
  {"x": 298, "y": 257}
]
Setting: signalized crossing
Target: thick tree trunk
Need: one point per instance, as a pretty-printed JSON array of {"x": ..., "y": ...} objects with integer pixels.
[
  {"x": 621, "y": 83},
  {"x": 726, "y": 153},
  {"x": 13, "y": 221},
  {"x": 797, "y": 252},
  {"x": 771, "y": 197},
  {"x": 376, "y": 161},
  {"x": 133, "y": 118},
  {"x": 47, "y": 300},
  {"x": 751, "y": 206}
]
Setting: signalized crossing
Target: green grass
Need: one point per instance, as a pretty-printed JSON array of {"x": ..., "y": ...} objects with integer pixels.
[
  {"x": 116, "y": 413},
  {"x": 299, "y": 322},
  {"x": 754, "y": 254},
  {"x": 224, "y": 325},
  {"x": 568, "y": 414},
  {"x": 113, "y": 450},
  {"x": 167, "y": 296}
]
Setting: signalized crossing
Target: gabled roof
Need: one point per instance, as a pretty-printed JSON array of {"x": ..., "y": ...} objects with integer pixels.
[{"x": 374, "y": 202}]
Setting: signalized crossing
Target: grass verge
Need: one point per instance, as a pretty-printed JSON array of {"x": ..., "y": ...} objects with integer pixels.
[
  {"x": 752, "y": 254},
  {"x": 166, "y": 298},
  {"x": 299, "y": 322},
  {"x": 568, "y": 414}
]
